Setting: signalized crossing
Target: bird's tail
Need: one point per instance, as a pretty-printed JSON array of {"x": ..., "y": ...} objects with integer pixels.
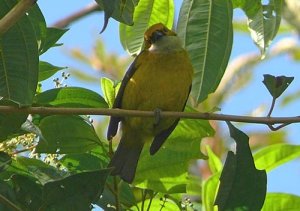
[{"x": 126, "y": 158}]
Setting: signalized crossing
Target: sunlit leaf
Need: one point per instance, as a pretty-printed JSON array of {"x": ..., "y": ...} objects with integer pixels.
[
  {"x": 281, "y": 201},
  {"x": 205, "y": 28},
  {"x": 46, "y": 70},
  {"x": 147, "y": 13},
  {"x": 273, "y": 156}
]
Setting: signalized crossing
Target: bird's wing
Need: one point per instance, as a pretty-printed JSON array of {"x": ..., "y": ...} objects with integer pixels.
[
  {"x": 114, "y": 121},
  {"x": 160, "y": 138}
]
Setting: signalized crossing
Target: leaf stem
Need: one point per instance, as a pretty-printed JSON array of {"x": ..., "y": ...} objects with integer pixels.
[
  {"x": 8, "y": 203},
  {"x": 15, "y": 14},
  {"x": 272, "y": 107}
]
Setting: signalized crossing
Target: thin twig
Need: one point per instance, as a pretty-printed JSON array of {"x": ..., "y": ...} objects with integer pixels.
[
  {"x": 8, "y": 203},
  {"x": 116, "y": 188},
  {"x": 24, "y": 150},
  {"x": 90, "y": 8},
  {"x": 272, "y": 107},
  {"x": 135, "y": 113},
  {"x": 15, "y": 14}
]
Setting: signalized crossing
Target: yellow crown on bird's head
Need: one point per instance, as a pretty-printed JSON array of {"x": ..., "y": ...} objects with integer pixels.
[{"x": 155, "y": 31}]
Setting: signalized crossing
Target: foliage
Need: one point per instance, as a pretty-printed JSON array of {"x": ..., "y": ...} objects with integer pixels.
[{"x": 59, "y": 162}]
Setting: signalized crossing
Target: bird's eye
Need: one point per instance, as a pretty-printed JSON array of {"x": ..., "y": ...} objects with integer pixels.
[{"x": 165, "y": 30}]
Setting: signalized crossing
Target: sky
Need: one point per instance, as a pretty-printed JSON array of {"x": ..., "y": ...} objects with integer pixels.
[{"x": 83, "y": 33}]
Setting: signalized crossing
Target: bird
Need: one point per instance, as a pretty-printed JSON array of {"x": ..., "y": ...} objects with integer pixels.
[{"x": 159, "y": 79}]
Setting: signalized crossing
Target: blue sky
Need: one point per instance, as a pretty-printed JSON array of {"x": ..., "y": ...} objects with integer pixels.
[{"x": 83, "y": 33}]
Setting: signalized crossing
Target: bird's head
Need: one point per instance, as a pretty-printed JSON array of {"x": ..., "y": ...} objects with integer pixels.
[{"x": 155, "y": 33}]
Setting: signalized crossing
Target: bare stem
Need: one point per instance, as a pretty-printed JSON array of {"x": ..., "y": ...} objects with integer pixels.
[
  {"x": 136, "y": 113},
  {"x": 90, "y": 8},
  {"x": 272, "y": 107},
  {"x": 8, "y": 203},
  {"x": 15, "y": 14}
]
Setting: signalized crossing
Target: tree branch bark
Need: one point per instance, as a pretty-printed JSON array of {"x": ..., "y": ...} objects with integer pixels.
[
  {"x": 135, "y": 113},
  {"x": 15, "y": 14}
]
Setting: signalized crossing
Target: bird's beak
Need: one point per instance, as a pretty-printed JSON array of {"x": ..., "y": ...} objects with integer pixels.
[{"x": 156, "y": 36}]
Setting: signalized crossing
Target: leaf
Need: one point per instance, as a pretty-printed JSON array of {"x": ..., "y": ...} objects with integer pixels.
[
  {"x": 166, "y": 171},
  {"x": 264, "y": 24},
  {"x": 5, "y": 159},
  {"x": 66, "y": 134},
  {"x": 250, "y": 7},
  {"x": 82, "y": 162},
  {"x": 147, "y": 13},
  {"x": 242, "y": 186},
  {"x": 18, "y": 59},
  {"x": 28, "y": 192},
  {"x": 209, "y": 191},
  {"x": 205, "y": 28},
  {"x": 273, "y": 156},
  {"x": 71, "y": 97},
  {"x": 52, "y": 36},
  {"x": 214, "y": 163},
  {"x": 277, "y": 85},
  {"x": 46, "y": 70},
  {"x": 32, "y": 168},
  {"x": 75, "y": 192},
  {"x": 281, "y": 201},
  {"x": 120, "y": 10},
  {"x": 109, "y": 89},
  {"x": 10, "y": 123}
]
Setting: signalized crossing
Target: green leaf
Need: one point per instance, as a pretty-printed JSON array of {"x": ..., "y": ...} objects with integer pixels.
[
  {"x": 250, "y": 7},
  {"x": 147, "y": 13},
  {"x": 32, "y": 168},
  {"x": 46, "y": 70},
  {"x": 28, "y": 192},
  {"x": 75, "y": 192},
  {"x": 205, "y": 28},
  {"x": 281, "y": 201},
  {"x": 166, "y": 171},
  {"x": 157, "y": 204},
  {"x": 5, "y": 159},
  {"x": 7, "y": 192},
  {"x": 264, "y": 24},
  {"x": 66, "y": 134},
  {"x": 277, "y": 85},
  {"x": 10, "y": 124},
  {"x": 82, "y": 162},
  {"x": 109, "y": 89},
  {"x": 273, "y": 156},
  {"x": 52, "y": 36},
  {"x": 120, "y": 10},
  {"x": 242, "y": 186},
  {"x": 209, "y": 191},
  {"x": 71, "y": 97},
  {"x": 18, "y": 59},
  {"x": 214, "y": 163}
]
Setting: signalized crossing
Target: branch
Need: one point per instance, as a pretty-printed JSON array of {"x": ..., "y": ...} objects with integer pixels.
[
  {"x": 135, "y": 113},
  {"x": 8, "y": 203},
  {"x": 15, "y": 14},
  {"x": 90, "y": 8}
]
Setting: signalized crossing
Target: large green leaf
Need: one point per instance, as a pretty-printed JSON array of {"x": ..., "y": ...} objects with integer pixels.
[
  {"x": 71, "y": 97},
  {"x": 205, "y": 28},
  {"x": 18, "y": 59},
  {"x": 166, "y": 171},
  {"x": 242, "y": 186},
  {"x": 273, "y": 156},
  {"x": 264, "y": 24},
  {"x": 147, "y": 13},
  {"x": 157, "y": 204},
  {"x": 281, "y": 201},
  {"x": 75, "y": 192},
  {"x": 66, "y": 134},
  {"x": 209, "y": 191}
]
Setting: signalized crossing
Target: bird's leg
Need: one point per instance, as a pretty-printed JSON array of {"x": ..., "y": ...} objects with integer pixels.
[{"x": 157, "y": 117}]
